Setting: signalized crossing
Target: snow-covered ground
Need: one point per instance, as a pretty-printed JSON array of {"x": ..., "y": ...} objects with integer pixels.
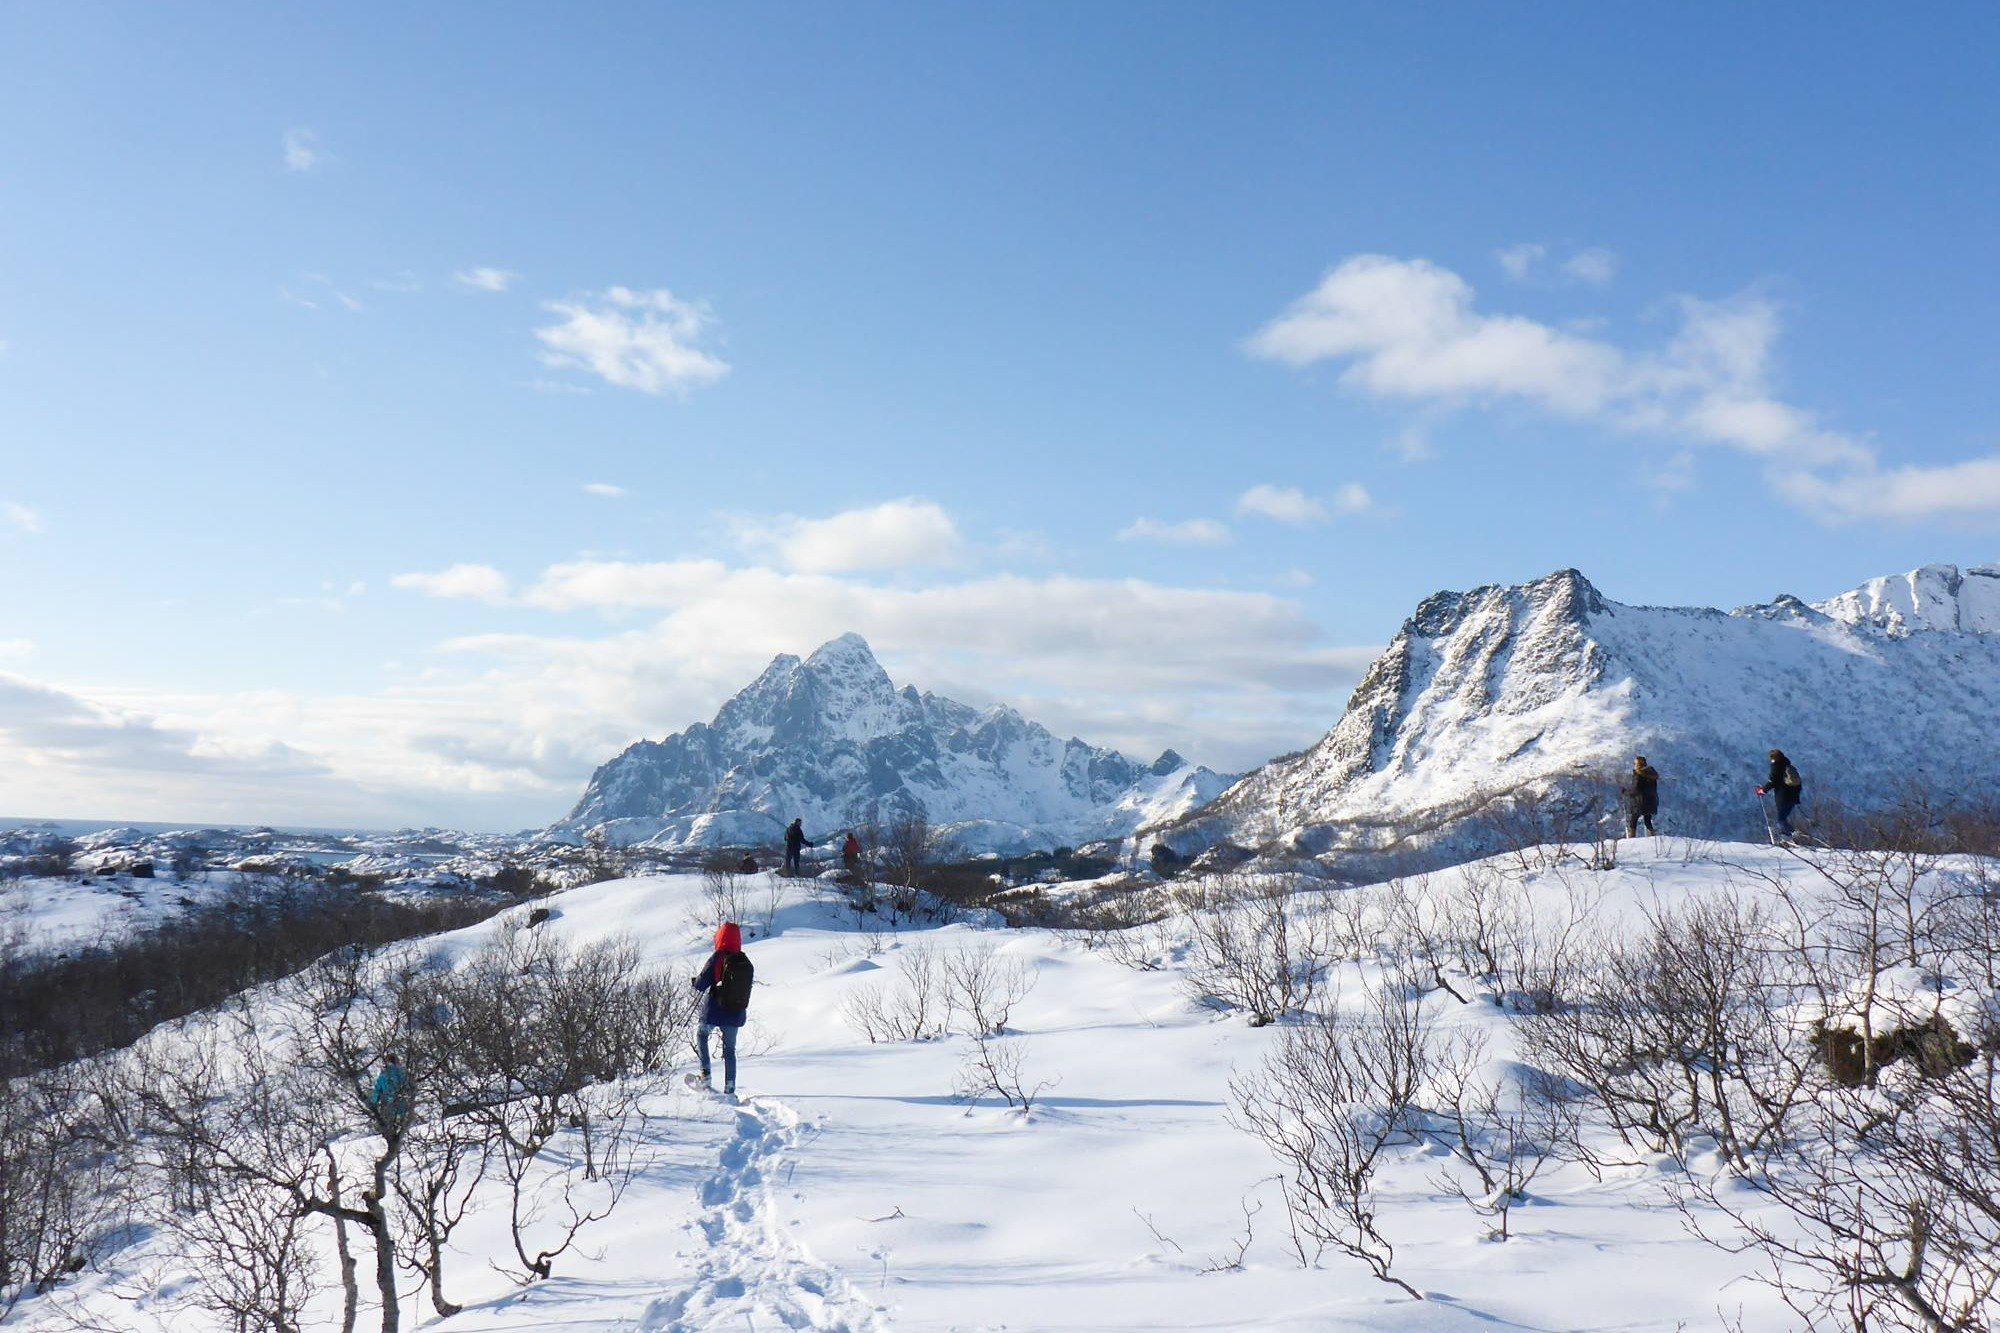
[{"x": 850, "y": 1188}]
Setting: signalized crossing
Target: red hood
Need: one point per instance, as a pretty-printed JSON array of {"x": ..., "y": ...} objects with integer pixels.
[{"x": 729, "y": 938}]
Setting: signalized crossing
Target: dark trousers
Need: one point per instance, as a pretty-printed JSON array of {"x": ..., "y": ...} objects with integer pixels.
[
  {"x": 792, "y": 859},
  {"x": 728, "y": 1053},
  {"x": 1632, "y": 819},
  {"x": 1788, "y": 801}
]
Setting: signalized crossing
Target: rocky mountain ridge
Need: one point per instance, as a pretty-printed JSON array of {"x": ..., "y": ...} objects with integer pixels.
[
  {"x": 831, "y": 740},
  {"x": 1540, "y": 695}
]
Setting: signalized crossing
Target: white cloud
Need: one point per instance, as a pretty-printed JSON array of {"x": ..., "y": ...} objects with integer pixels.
[
  {"x": 1407, "y": 329},
  {"x": 1595, "y": 266},
  {"x": 604, "y": 489},
  {"x": 898, "y": 534},
  {"x": 301, "y": 151},
  {"x": 479, "y": 583},
  {"x": 1352, "y": 498},
  {"x": 633, "y": 339},
  {"x": 20, "y": 517},
  {"x": 402, "y": 283},
  {"x": 484, "y": 279},
  {"x": 1191, "y": 532},
  {"x": 1520, "y": 260},
  {"x": 1285, "y": 504},
  {"x": 16, "y": 650}
]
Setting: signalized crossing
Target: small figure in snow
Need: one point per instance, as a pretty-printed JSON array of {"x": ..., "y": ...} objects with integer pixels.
[
  {"x": 726, "y": 978},
  {"x": 1785, "y": 787},
  {"x": 747, "y": 866},
  {"x": 850, "y": 852},
  {"x": 390, "y": 1097},
  {"x": 795, "y": 838},
  {"x": 1642, "y": 798}
]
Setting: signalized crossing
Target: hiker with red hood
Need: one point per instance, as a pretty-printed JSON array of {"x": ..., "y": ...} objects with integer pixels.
[{"x": 726, "y": 977}]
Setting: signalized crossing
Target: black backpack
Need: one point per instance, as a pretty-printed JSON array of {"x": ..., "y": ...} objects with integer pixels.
[{"x": 733, "y": 991}]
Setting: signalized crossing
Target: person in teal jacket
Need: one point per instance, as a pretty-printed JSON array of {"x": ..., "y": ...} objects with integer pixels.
[{"x": 390, "y": 1097}]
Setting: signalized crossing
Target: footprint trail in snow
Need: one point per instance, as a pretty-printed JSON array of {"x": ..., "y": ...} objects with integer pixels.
[{"x": 753, "y": 1273}]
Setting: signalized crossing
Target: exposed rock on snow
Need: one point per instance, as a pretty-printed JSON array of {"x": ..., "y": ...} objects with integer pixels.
[
  {"x": 832, "y": 741},
  {"x": 1548, "y": 690}
]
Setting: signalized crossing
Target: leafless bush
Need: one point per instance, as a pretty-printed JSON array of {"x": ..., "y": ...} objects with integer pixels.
[
  {"x": 1681, "y": 1030},
  {"x": 59, "y": 1193},
  {"x": 1422, "y": 936},
  {"x": 907, "y": 848},
  {"x": 1247, "y": 948},
  {"x": 1505, "y": 1132},
  {"x": 982, "y": 988},
  {"x": 1125, "y": 926},
  {"x": 1330, "y": 1101},
  {"x": 725, "y": 895},
  {"x": 916, "y": 1008},
  {"x": 993, "y": 1064}
]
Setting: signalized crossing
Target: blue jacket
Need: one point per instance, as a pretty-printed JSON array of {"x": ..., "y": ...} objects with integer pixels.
[
  {"x": 391, "y": 1094},
  {"x": 713, "y": 1013}
]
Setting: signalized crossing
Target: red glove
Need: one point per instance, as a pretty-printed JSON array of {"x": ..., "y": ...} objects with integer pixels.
[{"x": 1760, "y": 791}]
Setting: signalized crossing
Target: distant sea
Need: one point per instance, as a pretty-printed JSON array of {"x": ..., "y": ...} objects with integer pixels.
[{"x": 71, "y": 828}]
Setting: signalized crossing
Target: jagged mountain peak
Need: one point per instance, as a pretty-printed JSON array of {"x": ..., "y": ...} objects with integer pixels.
[
  {"x": 1548, "y": 688},
  {"x": 831, "y": 739}
]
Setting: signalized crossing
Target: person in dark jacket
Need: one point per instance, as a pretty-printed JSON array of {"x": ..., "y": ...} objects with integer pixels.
[
  {"x": 795, "y": 838},
  {"x": 1785, "y": 786},
  {"x": 716, "y": 1015},
  {"x": 390, "y": 1097},
  {"x": 1642, "y": 798}
]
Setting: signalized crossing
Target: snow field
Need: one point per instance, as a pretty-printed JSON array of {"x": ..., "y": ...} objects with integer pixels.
[{"x": 851, "y": 1190}]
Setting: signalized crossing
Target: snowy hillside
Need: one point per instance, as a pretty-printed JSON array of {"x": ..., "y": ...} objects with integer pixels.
[
  {"x": 830, "y": 740},
  {"x": 852, "y": 1190},
  {"x": 1551, "y": 687}
]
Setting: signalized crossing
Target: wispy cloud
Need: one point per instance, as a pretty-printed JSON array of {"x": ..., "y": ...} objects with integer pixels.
[
  {"x": 1188, "y": 532},
  {"x": 20, "y": 517},
  {"x": 479, "y": 583},
  {"x": 315, "y": 290},
  {"x": 401, "y": 283},
  {"x": 1520, "y": 260},
  {"x": 897, "y": 534},
  {"x": 604, "y": 489},
  {"x": 302, "y": 152},
  {"x": 1285, "y": 504},
  {"x": 1408, "y": 330},
  {"x": 644, "y": 340},
  {"x": 1596, "y": 266},
  {"x": 484, "y": 279}
]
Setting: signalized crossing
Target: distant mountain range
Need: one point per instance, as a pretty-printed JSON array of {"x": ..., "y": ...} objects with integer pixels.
[
  {"x": 1542, "y": 694},
  {"x": 830, "y": 740}
]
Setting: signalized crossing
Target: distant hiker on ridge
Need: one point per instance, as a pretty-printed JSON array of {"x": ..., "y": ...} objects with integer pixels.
[
  {"x": 726, "y": 978},
  {"x": 1785, "y": 787},
  {"x": 795, "y": 838},
  {"x": 1642, "y": 798},
  {"x": 850, "y": 852}
]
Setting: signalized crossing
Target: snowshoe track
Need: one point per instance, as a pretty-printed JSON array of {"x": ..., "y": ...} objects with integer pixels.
[{"x": 753, "y": 1273}]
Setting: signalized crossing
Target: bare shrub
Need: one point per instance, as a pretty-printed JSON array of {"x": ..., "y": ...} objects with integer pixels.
[
  {"x": 907, "y": 848},
  {"x": 59, "y": 1192},
  {"x": 916, "y": 1008},
  {"x": 1329, "y": 1102},
  {"x": 982, "y": 988},
  {"x": 993, "y": 1064},
  {"x": 1505, "y": 1131},
  {"x": 725, "y": 895},
  {"x": 1247, "y": 948}
]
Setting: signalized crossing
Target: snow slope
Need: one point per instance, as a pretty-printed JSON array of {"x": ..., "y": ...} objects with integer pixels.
[
  {"x": 830, "y": 740},
  {"x": 851, "y": 1191},
  {"x": 1550, "y": 687}
]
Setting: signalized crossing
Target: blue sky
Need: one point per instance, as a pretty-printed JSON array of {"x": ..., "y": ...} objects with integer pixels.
[{"x": 1141, "y": 365}]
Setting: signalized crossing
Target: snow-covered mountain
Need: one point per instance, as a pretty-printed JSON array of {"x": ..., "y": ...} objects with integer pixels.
[
  {"x": 1551, "y": 689},
  {"x": 830, "y": 740}
]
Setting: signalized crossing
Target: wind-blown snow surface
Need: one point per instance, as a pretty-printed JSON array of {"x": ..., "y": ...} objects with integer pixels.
[
  {"x": 849, "y": 1191},
  {"x": 830, "y": 740},
  {"x": 1551, "y": 686}
]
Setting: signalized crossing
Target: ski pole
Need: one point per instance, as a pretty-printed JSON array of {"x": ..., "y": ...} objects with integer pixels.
[{"x": 1770, "y": 833}]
